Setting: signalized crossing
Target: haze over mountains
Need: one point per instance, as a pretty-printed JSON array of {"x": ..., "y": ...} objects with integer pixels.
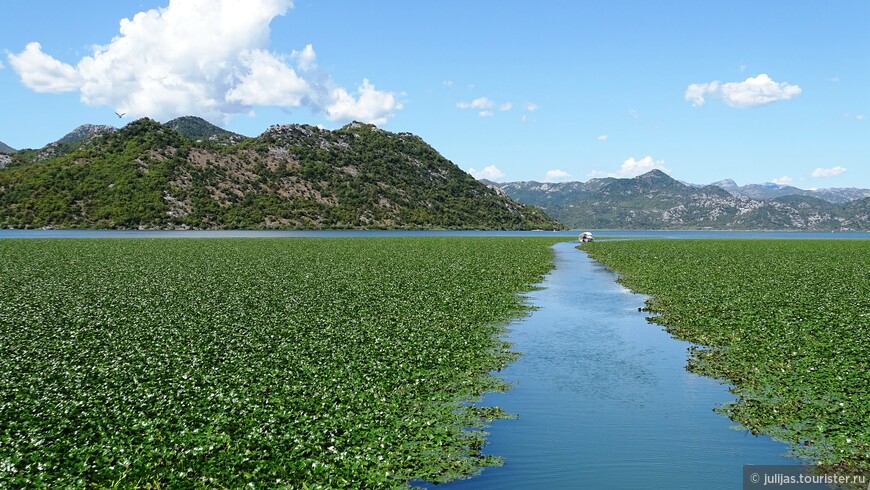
[
  {"x": 769, "y": 190},
  {"x": 188, "y": 173},
  {"x": 657, "y": 201}
]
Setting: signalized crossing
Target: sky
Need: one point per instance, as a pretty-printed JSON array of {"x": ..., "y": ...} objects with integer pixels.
[{"x": 558, "y": 90}]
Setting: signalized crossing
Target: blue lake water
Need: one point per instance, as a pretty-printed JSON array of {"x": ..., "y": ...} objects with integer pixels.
[{"x": 604, "y": 400}]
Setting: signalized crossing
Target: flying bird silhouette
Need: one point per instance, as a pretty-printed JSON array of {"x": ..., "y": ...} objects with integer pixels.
[{"x": 120, "y": 115}]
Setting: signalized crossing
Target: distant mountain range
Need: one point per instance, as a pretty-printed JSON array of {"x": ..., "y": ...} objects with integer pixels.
[
  {"x": 4, "y": 148},
  {"x": 770, "y": 190},
  {"x": 188, "y": 173},
  {"x": 654, "y": 200}
]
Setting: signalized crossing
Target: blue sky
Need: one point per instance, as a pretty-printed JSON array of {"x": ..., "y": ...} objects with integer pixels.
[{"x": 755, "y": 91}]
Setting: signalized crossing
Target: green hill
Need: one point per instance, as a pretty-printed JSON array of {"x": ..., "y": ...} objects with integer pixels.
[
  {"x": 200, "y": 130},
  {"x": 74, "y": 140},
  {"x": 148, "y": 175}
]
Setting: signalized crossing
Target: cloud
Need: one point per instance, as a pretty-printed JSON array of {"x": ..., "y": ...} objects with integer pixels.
[
  {"x": 447, "y": 83},
  {"x": 306, "y": 60},
  {"x": 860, "y": 117},
  {"x": 2, "y": 65},
  {"x": 268, "y": 81},
  {"x": 696, "y": 91},
  {"x": 490, "y": 172},
  {"x": 828, "y": 172},
  {"x": 529, "y": 107},
  {"x": 42, "y": 73},
  {"x": 486, "y": 107},
  {"x": 557, "y": 175},
  {"x": 752, "y": 92},
  {"x": 632, "y": 168},
  {"x": 784, "y": 180},
  {"x": 201, "y": 57},
  {"x": 372, "y": 105},
  {"x": 478, "y": 103},
  {"x": 603, "y": 137}
]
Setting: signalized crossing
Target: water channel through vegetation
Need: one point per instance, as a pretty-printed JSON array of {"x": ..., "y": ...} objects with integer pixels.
[{"x": 603, "y": 400}]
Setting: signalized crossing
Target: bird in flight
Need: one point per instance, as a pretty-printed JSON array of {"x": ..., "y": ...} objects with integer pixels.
[{"x": 120, "y": 115}]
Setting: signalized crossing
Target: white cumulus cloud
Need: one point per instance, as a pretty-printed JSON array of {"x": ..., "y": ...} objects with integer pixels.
[
  {"x": 784, "y": 180},
  {"x": 828, "y": 172},
  {"x": 531, "y": 106},
  {"x": 633, "y": 167},
  {"x": 557, "y": 175},
  {"x": 201, "y": 57},
  {"x": 268, "y": 81},
  {"x": 42, "y": 73},
  {"x": 371, "y": 106},
  {"x": 752, "y": 92},
  {"x": 490, "y": 172},
  {"x": 603, "y": 137}
]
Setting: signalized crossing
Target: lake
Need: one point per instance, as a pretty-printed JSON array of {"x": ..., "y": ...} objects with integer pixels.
[
  {"x": 602, "y": 397},
  {"x": 604, "y": 400}
]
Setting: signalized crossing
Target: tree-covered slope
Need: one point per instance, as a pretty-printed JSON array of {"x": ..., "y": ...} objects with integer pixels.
[
  {"x": 84, "y": 135},
  {"x": 117, "y": 183},
  {"x": 198, "y": 129},
  {"x": 148, "y": 175}
]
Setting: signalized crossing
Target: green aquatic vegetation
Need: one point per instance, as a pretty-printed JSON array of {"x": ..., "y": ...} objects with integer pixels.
[
  {"x": 167, "y": 363},
  {"x": 787, "y": 322}
]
